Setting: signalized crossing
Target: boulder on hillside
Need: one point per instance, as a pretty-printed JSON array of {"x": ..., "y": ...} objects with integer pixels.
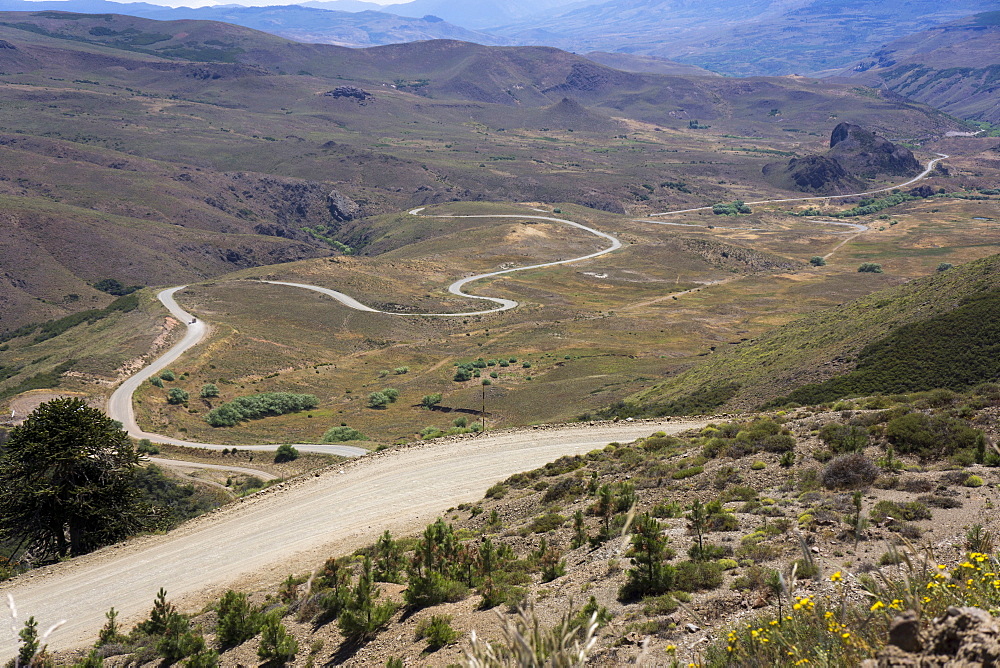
[
  {"x": 963, "y": 638},
  {"x": 865, "y": 154},
  {"x": 342, "y": 207}
]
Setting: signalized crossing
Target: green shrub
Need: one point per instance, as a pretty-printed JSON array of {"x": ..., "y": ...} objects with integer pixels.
[
  {"x": 817, "y": 261},
  {"x": 177, "y": 396},
  {"x": 758, "y": 466},
  {"x": 842, "y": 438},
  {"x": 238, "y": 620},
  {"x": 209, "y": 390},
  {"x": 429, "y": 401},
  {"x": 688, "y": 472},
  {"x": 256, "y": 406},
  {"x": 168, "y": 375},
  {"x": 285, "y": 453},
  {"x": 377, "y": 400},
  {"x": 342, "y": 434},
  {"x": 391, "y": 394},
  {"x": 437, "y": 630},
  {"x": 547, "y": 522},
  {"x": 497, "y": 491},
  {"x": 276, "y": 644},
  {"x": 698, "y": 575},
  {"x": 931, "y": 436},
  {"x": 146, "y": 447},
  {"x": 973, "y": 481},
  {"x": 870, "y": 268},
  {"x": 156, "y": 381},
  {"x": 902, "y": 511}
]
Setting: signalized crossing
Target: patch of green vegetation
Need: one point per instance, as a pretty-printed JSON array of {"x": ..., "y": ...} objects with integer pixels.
[
  {"x": 40, "y": 381},
  {"x": 956, "y": 350},
  {"x": 175, "y": 502},
  {"x": 261, "y": 405},
  {"x": 872, "y": 205},
  {"x": 702, "y": 401},
  {"x": 772, "y": 365},
  {"x": 734, "y": 208},
  {"x": 54, "y": 328}
]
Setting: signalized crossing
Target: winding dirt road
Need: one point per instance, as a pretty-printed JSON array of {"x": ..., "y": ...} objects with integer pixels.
[{"x": 292, "y": 528}]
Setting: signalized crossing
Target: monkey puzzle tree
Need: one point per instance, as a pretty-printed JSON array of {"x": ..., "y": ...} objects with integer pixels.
[{"x": 66, "y": 481}]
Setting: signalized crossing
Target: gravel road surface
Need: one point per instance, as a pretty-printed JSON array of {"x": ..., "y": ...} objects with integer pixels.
[{"x": 292, "y": 528}]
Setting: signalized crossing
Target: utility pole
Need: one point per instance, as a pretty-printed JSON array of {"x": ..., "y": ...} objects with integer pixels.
[{"x": 484, "y": 407}]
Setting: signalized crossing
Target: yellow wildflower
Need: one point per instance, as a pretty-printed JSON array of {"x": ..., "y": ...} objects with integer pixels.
[{"x": 877, "y": 605}]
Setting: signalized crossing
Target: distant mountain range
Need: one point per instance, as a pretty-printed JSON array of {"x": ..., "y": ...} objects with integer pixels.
[
  {"x": 302, "y": 24},
  {"x": 954, "y": 67},
  {"x": 746, "y": 38}
]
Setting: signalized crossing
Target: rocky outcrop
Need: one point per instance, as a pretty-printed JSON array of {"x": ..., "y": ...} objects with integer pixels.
[
  {"x": 342, "y": 207},
  {"x": 962, "y": 638},
  {"x": 855, "y": 154},
  {"x": 863, "y": 153},
  {"x": 812, "y": 174},
  {"x": 352, "y": 92}
]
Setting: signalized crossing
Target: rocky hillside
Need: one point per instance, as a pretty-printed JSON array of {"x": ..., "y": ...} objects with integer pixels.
[{"x": 954, "y": 67}]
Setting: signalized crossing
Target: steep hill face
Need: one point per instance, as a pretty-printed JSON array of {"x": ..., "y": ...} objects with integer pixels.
[
  {"x": 954, "y": 67},
  {"x": 827, "y": 345}
]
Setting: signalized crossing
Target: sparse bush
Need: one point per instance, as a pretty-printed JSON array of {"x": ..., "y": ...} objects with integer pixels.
[
  {"x": 168, "y": 375},
  {"x": 209, "y": 390},
  {"x": 870, "y": 268},
  {"x": 400, "y": 370},
  {"x": 429, "y": 401},
  {"x": 391, "y": 394},
  {"x": 156, "y": 381},
  {"x": 817, "y": 261},
  {"x": 849, "y": 472}
]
